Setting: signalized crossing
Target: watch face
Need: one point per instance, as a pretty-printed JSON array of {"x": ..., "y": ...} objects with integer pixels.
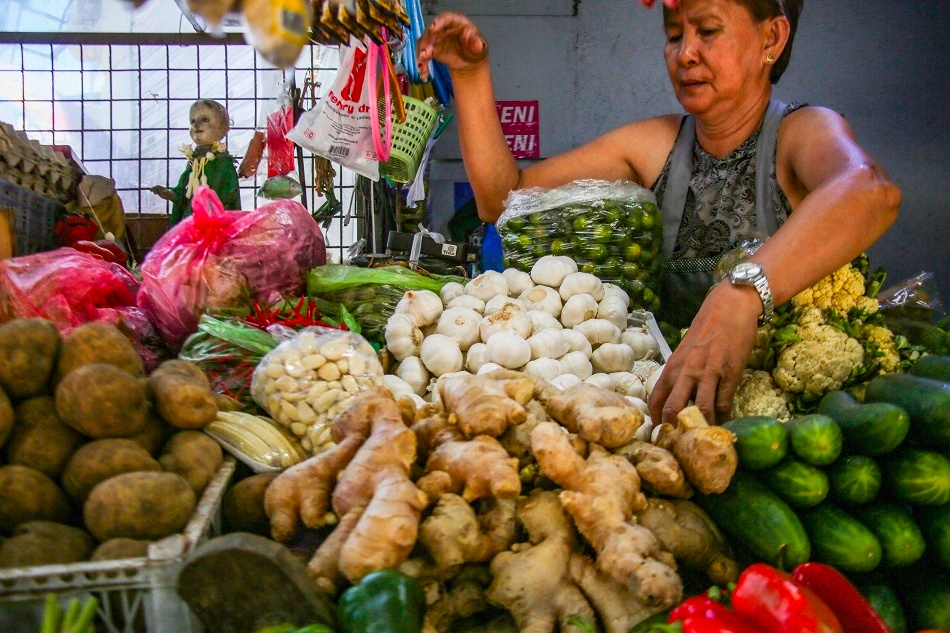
[{"x": 746, "y": 271}]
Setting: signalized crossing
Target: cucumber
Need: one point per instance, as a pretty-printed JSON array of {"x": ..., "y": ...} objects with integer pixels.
[
  {"x": 801, "y": 485},
  {"x": 855, "y": 480},
  {"x": 933, "y": 366},
  {"x": 927, "y": 602},
  {"x": 761, "y": 440},
  {"x": 758, "y": 519},
  {"x": 926, "y": 401},
  {"x": 869, "y": 429},
  {"x": 918, "y": 477},
  {"x": 935, "y": 524},
  {"x": 901, "y": 541},
  {"x": 840, "y": 540},
  {"x": 816, "y": 438},
  {"x": 883, "y": 599}
]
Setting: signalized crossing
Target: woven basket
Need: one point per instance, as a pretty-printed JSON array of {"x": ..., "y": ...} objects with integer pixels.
[{"x": 409, "y": 139}]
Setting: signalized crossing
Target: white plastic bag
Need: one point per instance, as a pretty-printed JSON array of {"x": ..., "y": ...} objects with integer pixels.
[{"x": 339, "y": 127}]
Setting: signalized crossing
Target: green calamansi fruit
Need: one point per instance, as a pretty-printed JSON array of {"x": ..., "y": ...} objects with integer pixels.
[
  {"x": 561, "y": 247},
  {"x": 582, "y": 225},
  {"x": 632, "y": 252},
  {"x": 603, "y": 234}
]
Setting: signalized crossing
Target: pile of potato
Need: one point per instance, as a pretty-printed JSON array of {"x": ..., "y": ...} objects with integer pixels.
[{"x": 96, "y": 459}]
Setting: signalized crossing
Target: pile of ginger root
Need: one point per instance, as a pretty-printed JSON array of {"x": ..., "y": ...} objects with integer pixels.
[{"x": 507, "y": 494}]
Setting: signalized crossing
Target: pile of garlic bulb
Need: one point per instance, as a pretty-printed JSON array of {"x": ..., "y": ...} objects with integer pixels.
[{"x": 558, "y": 324}]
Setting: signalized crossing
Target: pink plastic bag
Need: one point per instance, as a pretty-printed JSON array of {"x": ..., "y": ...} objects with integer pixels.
[
  {"x": 65, "y": 286},
  {"x": 222, "y": 260}
]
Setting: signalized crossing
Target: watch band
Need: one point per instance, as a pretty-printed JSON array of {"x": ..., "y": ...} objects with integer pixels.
[{"x": 761, "y": 284}]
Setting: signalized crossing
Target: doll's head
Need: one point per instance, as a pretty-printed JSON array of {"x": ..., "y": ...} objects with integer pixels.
[{"x": 209, "y": 122}]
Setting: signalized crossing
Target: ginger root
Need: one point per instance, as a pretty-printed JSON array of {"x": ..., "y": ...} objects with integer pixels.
[
  {"x": 597, "y": 415},
  {"x": 454, "y": 535},
  {"x": 686, "y": 531},
  {"x": 705, "y": 452},
  {"x": 487, "y": 405},
  {"x": 601, "y": 493},
  {"x": 620, "y": 608},
  {"x": 659, "y": 471}
]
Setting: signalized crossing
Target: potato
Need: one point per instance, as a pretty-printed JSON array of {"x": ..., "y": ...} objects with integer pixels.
[
  {"x": 46, "y": 543},
  {"x": 183, "y": 368},
  {"x": 121, "y": 548},
  {"x": 101, "y": 400},
  {"x": 103, "y": 459},
  {"x": 40, "y": 440},
  {"x": 144, "y": 506},
  {"x": 183, "y": 402},
  {"x": 98, "y": 343},
  {"x": 28, "y": 352},
  {"x": 242, "y": 509},
  {"x": 153, "y": 435},
  {"x": 194, "y": 456},
  {"x": 6, "y": 417},
  {"x": 26, "y": 494}
]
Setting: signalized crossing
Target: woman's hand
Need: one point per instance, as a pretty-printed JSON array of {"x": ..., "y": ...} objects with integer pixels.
[
  {"x": 163, "y": 192},
  {"x": 454, "y": 40},
  {"x": 708, "y": 363}
]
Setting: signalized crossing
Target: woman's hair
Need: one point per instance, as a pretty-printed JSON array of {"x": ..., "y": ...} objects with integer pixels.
[
  {"x": 219, "y": 111},
  {"x": 765, "y": 9}
]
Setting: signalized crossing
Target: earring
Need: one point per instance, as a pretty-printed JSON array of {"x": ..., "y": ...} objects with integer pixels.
[{"x": 770, "y": 58}]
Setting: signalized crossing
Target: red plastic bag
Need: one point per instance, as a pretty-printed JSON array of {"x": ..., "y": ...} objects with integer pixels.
[
  {"x": 65, "y": 286},
  {"x": 280, "y": 150},
  {"x": 222, "y": 260}
]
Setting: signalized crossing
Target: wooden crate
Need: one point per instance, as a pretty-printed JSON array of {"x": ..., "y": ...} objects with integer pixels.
[{"x": 144, "y": 229}]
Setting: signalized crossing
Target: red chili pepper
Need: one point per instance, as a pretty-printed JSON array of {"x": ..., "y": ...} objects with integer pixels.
[
  {"x": 852, "y": 609},
  {"x": 701, "y": 614},
  {"x": 770, "y": 598}
]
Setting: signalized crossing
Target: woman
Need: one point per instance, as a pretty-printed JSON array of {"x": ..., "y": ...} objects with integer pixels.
[{"x": 821, "y": 195}]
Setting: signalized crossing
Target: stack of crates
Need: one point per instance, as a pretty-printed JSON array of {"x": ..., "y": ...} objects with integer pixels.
[{"x": 31, "y": 218}]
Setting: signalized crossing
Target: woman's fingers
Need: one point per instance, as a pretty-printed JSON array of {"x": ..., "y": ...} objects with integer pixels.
[{"x": 453, "y": 40}]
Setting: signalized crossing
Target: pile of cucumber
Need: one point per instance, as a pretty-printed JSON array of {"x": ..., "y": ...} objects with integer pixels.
[{"x": 864, "y": 487}]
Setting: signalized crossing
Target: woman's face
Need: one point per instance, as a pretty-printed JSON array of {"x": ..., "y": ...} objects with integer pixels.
[
  {"x": 206, "y": 125},
  {"x": 714, "y": 53}
]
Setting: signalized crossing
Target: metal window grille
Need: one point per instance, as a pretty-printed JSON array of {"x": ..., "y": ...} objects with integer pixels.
[{"x": 121, "y": 103}]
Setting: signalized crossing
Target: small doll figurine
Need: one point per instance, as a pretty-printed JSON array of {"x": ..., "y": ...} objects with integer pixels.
[{"x": 208, "y": 162}]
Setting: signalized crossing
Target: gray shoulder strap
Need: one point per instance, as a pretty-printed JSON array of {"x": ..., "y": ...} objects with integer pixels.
[
  {"x": 764, "y": 160},
  {"x": 677, "y": 185}
]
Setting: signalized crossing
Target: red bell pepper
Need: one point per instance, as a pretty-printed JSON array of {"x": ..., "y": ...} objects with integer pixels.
[
  {"x": 772, "y": 600},
  {"x": 853, "y": 611},
  {"x": 701, "y": 614}
]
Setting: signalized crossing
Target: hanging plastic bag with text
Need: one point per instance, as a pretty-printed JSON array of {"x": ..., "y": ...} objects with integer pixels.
[{"x": 339, "y": 127}]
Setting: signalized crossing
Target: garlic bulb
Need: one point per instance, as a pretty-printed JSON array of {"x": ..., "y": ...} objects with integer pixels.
[
  {"x": 418, "y": 400},
  {"x": 450, "y": 291},
  {"x": 599, "y": 331},
  {"x": 612, "y": 357},
  {"x": 487, "y": 368},
  {"x": 578, "y": 341},
  {"x": 415, "y": 374},
  {"x": 651, "y": 381},
  {"x": 541, "y": 320},
  {"x": 581, "y": 284},
  {"x": 509, "y": 350},
  {"x": 612, "y": 309},
  {"x": 518, "y": 281},
  {"x": 645, "y": 368},
  {"x": 645, "y": 432},
  {"x": 397, "y": 386},
  {"x": 467, "y": 301},
  {"x": 461, "y": 324},
  {"x": 423, "y": 305},
  {"x": 640, "y": 404},
  {"x": 542, "y": 298},
  {"x": 403, "y": 337},
  {"x": 642, "y": 342},
  {"x": 487, "y": 285},
  {"x": 500, "y": 302},
  {"x": 513, "y": 320},
  {"x": 551, "y": 270},
  {"x": 441, "y": 354},
  {"x": 578, "y": 309},
  {"x": 548, "y": 344},
  {"x": 604, "y": 381},
  {"x": 565, "y": 381},
  {"x": 546, "y": 369},
  {"x": 610, "y": 290},
  {"x": 578, "y": 364},
  {"x": 628, "y": 384},
  {"x": 476, "y": 356}
]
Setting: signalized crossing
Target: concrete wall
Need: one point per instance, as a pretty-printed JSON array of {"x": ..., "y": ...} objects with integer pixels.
[{"x": 883, "y": 64}]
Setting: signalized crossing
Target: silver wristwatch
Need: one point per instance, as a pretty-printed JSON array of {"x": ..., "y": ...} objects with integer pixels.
[{"x": 749, "y": 274}]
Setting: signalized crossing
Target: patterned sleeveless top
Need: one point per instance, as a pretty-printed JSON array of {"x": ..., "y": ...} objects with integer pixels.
[{"x": 720, "y": 204}]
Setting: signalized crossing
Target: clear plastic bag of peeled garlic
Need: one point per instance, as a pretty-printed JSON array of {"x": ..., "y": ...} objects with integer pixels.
[{"x": 305, "y": 381}]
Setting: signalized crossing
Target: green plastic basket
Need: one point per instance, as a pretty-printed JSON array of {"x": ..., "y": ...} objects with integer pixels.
[{"x": 409, "y": 139}]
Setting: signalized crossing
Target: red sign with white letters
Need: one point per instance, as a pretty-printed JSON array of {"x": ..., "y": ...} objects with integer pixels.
[{"x": 520, "y": 123}]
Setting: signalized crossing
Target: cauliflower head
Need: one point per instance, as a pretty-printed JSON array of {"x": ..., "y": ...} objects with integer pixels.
[
  {"x": 879, "y": 342},
  {"x": 841, "y": 290},
  {"x": 758, "y": 394},
  {"x": 820, "y": 362}
]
